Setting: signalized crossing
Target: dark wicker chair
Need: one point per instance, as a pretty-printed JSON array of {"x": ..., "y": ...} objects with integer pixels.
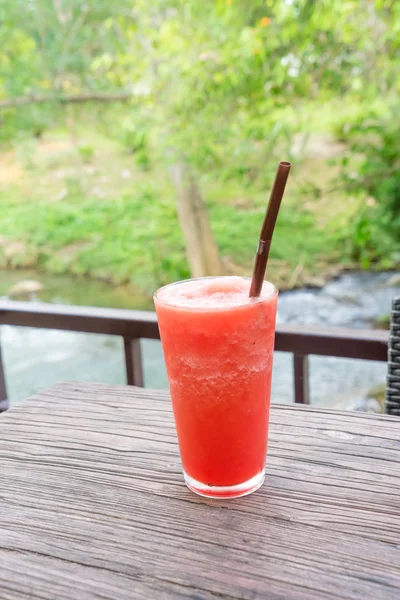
[{"x": 392, "y": 403}]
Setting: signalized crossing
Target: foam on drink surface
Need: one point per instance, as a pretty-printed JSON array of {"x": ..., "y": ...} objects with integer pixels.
[{"x": 213, "y": 293}]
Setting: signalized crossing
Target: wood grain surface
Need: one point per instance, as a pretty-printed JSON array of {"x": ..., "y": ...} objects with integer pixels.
[{"x": 93, "y": 506}]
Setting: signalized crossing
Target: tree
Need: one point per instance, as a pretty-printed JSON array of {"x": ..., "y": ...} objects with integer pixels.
[
  {"x": 191, "y": 89},
  {"x": 206, "y": 77},
  {"x": 201, "y": 249}
]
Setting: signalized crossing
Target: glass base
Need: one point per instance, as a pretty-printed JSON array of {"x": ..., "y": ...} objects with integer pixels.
[{"x": 227, "y": 491}]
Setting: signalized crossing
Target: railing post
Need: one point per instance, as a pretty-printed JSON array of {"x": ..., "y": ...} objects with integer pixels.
[
  {"x": 3, "y": 390},
  {"x": 133, "y": 362},
  {"x": 300, "y": 365}
]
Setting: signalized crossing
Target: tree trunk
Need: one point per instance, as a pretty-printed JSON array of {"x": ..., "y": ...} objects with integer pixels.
[
  {"x": 72, "y": 99},
  {"x": 201, "y": 249}
]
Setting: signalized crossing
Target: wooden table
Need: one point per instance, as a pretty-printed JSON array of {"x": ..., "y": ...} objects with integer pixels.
[{"x": 93, "y": 505}]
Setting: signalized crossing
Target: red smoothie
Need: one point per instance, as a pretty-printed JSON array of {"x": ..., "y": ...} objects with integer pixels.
[{"x": 218, "y": 345}]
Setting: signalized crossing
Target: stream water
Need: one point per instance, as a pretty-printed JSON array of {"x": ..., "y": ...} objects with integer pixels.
[{"x": 35, "y": 358}]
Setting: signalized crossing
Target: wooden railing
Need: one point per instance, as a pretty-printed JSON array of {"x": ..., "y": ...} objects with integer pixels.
[{"x": 133, "y": 325}]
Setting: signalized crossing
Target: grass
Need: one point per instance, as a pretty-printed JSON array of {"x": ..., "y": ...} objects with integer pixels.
[{"x": 94, "y": 213}]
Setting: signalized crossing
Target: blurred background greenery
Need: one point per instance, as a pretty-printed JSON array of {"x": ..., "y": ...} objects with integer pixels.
[{"x": 138, "y": 139}]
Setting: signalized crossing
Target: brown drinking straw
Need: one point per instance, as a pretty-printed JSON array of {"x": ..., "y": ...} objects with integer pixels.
[{"x": 267, "y": 229}]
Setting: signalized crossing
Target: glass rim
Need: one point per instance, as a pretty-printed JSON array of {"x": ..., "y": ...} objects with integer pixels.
[{"x": 257, "y": 300}]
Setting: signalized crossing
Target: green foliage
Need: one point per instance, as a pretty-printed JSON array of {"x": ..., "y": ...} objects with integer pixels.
[
  {"x": 223, "y": 85},
  {"x": 371, "y": 169},
  {"x": 131, "y": 233},
  {"x": 128, "y": 238},
  {"x": 133, "y": 137},
  {"x": 86, "y": 152},
  {"x": 296, "y": 234}
]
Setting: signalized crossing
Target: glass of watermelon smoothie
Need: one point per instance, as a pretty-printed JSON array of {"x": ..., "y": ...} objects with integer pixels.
[{"x": 218, "y": 346}]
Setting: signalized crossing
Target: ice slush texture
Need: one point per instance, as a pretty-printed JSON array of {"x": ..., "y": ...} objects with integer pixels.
[{"x": 218, "y": 347}]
